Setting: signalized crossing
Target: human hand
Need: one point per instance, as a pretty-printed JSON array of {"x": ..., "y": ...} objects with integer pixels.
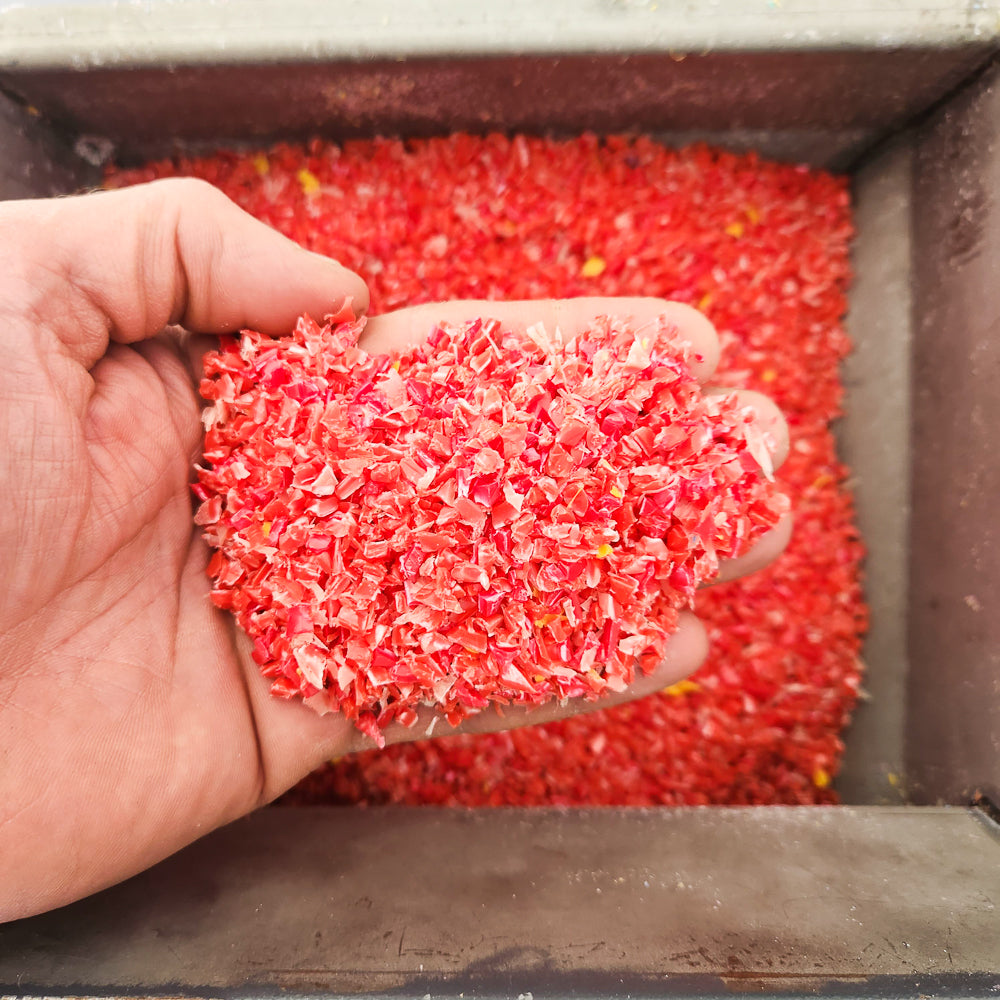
[{"x": 132, "y": 718}]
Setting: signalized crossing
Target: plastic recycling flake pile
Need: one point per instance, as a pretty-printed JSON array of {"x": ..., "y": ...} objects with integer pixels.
[{"x": 762, "y": 249}]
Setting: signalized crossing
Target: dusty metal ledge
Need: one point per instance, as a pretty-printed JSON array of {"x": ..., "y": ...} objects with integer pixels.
[
  {"x": 106, "y": 33},
  {"x": 846, "y": 901}
]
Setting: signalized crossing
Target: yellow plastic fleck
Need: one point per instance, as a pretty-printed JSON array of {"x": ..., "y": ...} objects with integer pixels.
[
  {"x": 593, "y": 266},
  {"x": 395, "y": 365},
  {"x": 33, "y": 111},
  {"x": 682, "y": 688},
  {"x": 705, "y": 301},
  {"x": 267, "y": 528},
  {"x": 823, "y": 479},
  {"x": 616, "y": 493},
  {"x": 734, "y": 229},
  {"x": 821, "y": 778},
  {"x": 538, "y": 678},
  {"x": 752, "y": 214},
  {"x": 546, "y": 620},
  {"x": 308, "y": 180},
  {"x": 261, "y": 165},
  {"x": 893, "y": 779},
  {"x": 768, "y": 375},
  {"x": 604, "y": 551}
]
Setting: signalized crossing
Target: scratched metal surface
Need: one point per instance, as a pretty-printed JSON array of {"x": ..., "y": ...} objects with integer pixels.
[
  {"x": 823, "y": 107},
  {"x": 876, "y": 378},
  {"x": 508, "y": 902},
  {"x": 954, "y": 621},
  {"x": 106, "y": 32}
]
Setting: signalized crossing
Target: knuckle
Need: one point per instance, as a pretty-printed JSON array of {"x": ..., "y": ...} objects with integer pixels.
[{"x": 184, "y": 191}]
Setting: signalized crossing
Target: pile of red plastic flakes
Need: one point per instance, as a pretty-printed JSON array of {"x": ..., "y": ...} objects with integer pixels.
[
  {"x": 490, "y": 515},
  {"x": 762, "y": 249}
]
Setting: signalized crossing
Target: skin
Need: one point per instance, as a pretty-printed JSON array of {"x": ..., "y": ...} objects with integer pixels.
[{"x": 132, "y": 719}]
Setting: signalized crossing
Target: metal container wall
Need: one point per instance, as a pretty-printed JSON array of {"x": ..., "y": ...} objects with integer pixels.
[{"x": 875, "y": 899}]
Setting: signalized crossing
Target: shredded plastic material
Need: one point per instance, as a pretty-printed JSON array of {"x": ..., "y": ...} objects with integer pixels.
[
  {"x": 488, "y": 517},
  {"x": 762, "y": 249}
]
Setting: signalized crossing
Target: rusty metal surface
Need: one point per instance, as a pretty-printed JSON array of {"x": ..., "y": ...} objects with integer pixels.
[
  {"x": 542, "y": 902},
  {"x": 820, "y": 106},
  {"x": 954, "y": 622}
]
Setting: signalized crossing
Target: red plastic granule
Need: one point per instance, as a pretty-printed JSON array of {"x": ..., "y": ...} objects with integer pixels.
[
  {"x": 762, "y": 248},
  {"x": 487, "y": 517}
]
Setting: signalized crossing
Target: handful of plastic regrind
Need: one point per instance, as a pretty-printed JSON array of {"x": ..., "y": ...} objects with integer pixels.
[{"x": 490, "y": 516}]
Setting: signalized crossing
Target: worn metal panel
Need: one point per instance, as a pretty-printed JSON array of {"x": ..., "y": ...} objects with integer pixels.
[
  {"x": 104, "y": 33},
  {"x": 820, "y": 106},
  {"x": 874, "y": 440},
  {"x": 954, "y": 621},
  {"x": 508, "y": 902}
]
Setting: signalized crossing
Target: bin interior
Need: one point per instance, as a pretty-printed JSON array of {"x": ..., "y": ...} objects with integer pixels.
[
  {"x": 887, "y": 117},
  {"x": 916, "y": 128}
]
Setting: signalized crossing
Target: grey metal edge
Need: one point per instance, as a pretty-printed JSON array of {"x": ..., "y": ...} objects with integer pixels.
[
  {"x": 106, "y": 33},
  {"x": 837, "y": 901}
]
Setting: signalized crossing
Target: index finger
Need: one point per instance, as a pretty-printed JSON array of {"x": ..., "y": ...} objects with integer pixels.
[
  {"x": 401, "y": 329},
  {"x": 122, "y": 265}
]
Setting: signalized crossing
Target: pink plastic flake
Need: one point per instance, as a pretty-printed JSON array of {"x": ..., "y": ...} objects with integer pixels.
[{"x": 488, "y": 517}]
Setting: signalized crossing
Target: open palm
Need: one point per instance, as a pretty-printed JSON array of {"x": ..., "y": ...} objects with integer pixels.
[{"x": 132, "y": 719}]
